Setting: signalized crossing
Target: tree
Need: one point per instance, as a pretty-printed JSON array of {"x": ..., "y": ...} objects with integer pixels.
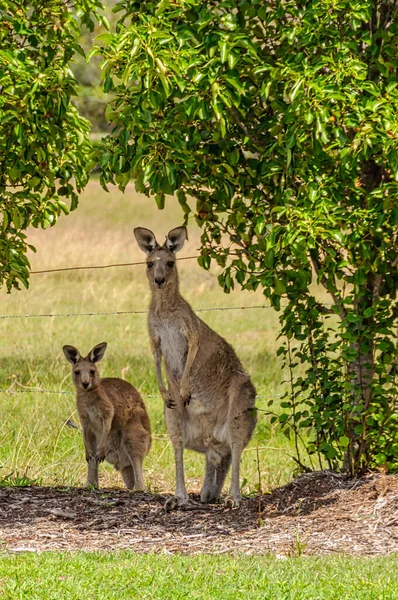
[
  {"x": 280, "y": 120},
  {"x": 43, "y": 140}
]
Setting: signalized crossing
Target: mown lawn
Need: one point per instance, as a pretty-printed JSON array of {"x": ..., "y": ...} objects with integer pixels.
[{"x": 124, "y": 575}]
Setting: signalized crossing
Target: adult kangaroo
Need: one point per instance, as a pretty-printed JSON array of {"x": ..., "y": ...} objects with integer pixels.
[{"x": 209, "y": 403}]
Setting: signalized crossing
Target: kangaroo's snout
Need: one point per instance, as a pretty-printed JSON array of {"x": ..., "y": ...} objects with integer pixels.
[{"x": 160, "y": 281}]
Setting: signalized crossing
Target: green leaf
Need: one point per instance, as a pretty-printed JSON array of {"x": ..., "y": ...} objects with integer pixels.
[
  {"x": 224, "y": 51},
  {"x": 344, "y": 441},
  {"x": 279, "y": 287},
  {"x": 160, "y": 200},
  {"x": 296, "y": 89},
  {"x": 34, "y": 181},
  {"x": 108, "y": 84}
]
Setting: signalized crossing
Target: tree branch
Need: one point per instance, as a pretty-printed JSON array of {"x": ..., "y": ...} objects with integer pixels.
[
  {"x": 326, "y": 285},
  {"x": 245, "y": 129},
  {"x": 387, "y": 13},
  {"x": 376, "y": 288}
]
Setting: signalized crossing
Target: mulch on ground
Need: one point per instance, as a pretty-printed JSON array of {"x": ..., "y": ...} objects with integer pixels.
[{"x": 318, "y": 513}]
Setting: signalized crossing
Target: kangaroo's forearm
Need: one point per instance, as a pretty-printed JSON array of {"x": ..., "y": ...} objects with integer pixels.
[
  {"x": 106, "y": 427},
  {"x": 193, "y": 345},
  {"x": 157, "y": 352},
  {"x": 87, "y": 440}
]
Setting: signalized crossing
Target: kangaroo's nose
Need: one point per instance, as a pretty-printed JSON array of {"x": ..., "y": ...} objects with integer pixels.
[
  {"x": 159, "y": 280},
  {"x": 85, "y": 384}
]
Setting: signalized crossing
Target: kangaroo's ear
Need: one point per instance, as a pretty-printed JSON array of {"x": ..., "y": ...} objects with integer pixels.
[
  {"x": 72, "y": 354},
  {"x": 146, "y": 239},
  {"x": 175, "y": 239},
  {"x": 97, "y": 352}
]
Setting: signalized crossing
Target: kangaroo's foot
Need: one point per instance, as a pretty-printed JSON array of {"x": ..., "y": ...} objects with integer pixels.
[
  {"x": 232, "y": 501},
  {"x": 208, "y": 496},
  {"x": 92, "y": 485},
  {"x": 175, "y": 502},
  {"x": 140, "y": 489}
]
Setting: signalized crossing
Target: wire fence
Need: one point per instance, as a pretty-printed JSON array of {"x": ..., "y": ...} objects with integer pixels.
[
  {"x": 128, "y": 312},
  {"x": 11, "y": 391},
  {"x": 91, "y": 267},
  {"x": 116, "y": 312}
]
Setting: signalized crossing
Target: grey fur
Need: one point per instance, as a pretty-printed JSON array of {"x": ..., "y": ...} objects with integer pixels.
[{"x": 210, "y": 400}]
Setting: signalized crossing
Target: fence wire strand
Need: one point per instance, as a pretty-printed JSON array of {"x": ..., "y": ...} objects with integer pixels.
[
  {"x": 127, "y": 312},
  {"x": 11, "y": 391},
  {"x": 70, "y": 392},
  {"x": 88, "y": 267}
]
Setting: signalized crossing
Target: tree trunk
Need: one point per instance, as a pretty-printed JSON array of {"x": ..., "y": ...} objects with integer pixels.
[{"x": 361, "y": 373}]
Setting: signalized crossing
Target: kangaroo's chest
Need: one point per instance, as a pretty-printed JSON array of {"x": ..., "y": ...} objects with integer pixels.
[
  {"x": 92, "y": 415},
  {"x": 174, "y": 347}
]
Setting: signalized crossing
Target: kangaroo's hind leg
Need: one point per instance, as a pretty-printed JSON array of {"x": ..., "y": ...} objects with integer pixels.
[
  {"x": 92, "y": 472},
  {"x": 136, "y": 456},
  {"x": 90, "y": 445},
  {"x": 242, "y": 421},
  {"x": 216, "y": 471},
  {"x": 221, "y": 474},
  {"x": 128, "y": 477},
  {"x": 174, "y": 426}
]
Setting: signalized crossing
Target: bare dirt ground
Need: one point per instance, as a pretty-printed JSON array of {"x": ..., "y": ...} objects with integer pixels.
[{"x": 319, "y": 513}]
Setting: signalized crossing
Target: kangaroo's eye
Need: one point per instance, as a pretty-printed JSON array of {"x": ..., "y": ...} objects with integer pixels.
[
  {"x": 92, "y": 371},
  {"x": 149, "y": 265},
  {"x": 77, "y": 372},
  {"x": 170, "y": 263}
]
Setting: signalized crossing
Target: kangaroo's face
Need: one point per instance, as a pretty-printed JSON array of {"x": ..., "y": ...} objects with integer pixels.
[
  {"x": 85, "y": 374},
  {"x": 84, "y": 370},
  {"x": 161, "y": 270}
]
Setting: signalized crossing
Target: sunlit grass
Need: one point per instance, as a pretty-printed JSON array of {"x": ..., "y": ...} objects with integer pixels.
[
  {"x": 121, "y": 575},
  {"x": 33, "y": 435}
]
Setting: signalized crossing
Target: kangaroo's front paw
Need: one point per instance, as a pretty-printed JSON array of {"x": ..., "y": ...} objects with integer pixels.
[
  {"x": 100, "y": 455},
  {"x": 185, "y": 397},
  {"x": 89, "y": 456},
  {"x": 168, "y": 400}
]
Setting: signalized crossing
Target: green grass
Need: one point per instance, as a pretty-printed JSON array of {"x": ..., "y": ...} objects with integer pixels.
[
  {"x": 113, "y": 576},
  {"x": 34, "y": 441}
]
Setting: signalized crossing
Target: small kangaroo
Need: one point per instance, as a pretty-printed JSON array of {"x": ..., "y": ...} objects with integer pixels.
[
  {"x": 210, "y": 400},
  {"x": 114, "y": 419}
]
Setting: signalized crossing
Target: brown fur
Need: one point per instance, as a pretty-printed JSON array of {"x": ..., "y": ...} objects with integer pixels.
[
  {"x": 209, "y": 403},
  {"x": 114, "y": 419}
]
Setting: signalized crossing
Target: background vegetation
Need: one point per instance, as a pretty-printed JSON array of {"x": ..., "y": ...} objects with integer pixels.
[{"x": 44, "y": 140}]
